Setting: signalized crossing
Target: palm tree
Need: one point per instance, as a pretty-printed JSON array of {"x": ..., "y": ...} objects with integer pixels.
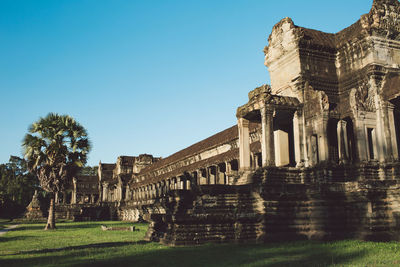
[{"x": 55, "y": 148}]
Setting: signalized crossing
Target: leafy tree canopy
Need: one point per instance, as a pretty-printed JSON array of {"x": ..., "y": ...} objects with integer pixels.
[
  {"x": 17, "y": 185},
  {"x": 56, "y": 147}
]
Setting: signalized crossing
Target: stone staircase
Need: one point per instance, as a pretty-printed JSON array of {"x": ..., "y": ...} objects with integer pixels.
[{"x": 217, "y": 214}]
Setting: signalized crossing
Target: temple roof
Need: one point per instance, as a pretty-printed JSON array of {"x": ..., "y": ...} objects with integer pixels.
[
  {"x": 382, "y": 20},
  {"x": 213, "y": 141}
]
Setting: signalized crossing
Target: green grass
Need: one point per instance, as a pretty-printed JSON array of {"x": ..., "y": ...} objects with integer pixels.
[{"x": 85, "y": 244}]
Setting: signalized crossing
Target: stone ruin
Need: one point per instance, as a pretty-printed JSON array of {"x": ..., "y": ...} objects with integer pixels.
[
  {"x": 314, "y": 155},
  {"x": 33, "y": 210}
]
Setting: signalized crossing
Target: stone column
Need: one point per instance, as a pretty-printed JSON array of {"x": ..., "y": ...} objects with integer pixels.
[
  {"x": 389, "y": 143},
  {"x": 211, "y": 177},
  {"x": 323, "y": 148},
  {"x": 267, "y": 137},
  {"x": 361, "y": 137},
  {"x": 298, "y": 136},
  {"x": 393, "y": 134},
  {"x": 105, "y": 192},
  {"x": 343, "y": 145},
  {"x": 244, "y": 144},
  {"x": 381, "y": 145},
  {"x": 228, "y": 167}
]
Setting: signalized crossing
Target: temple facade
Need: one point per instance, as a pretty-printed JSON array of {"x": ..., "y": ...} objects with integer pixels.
[{"x": 314, "y": 155}]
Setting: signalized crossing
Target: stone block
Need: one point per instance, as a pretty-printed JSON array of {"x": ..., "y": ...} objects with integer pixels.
[{"x": 281, "y": 139}]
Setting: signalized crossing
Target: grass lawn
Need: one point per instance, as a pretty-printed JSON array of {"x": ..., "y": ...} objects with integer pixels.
[{"x": 85, "y": 244}]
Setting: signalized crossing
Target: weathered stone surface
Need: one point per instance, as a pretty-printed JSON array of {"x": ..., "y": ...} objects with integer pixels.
[
  {"x": 33, "y": 211},
  {"x": 335, "y": 98}
]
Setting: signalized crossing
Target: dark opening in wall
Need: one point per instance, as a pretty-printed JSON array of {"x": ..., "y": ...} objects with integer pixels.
[
  {"x": 259, "y": 160},
  {"x": 370, "y": 135},
  {"x": 234, "y": 165},
  {"x": 351, "y": 139},
  {"x": 283, "y": 121}
]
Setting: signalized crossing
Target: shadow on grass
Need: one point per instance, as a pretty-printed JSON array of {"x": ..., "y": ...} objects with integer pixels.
[
  {"x": 13, "y": 238},
  {"x": 81, "y": 247},
  {"x": 272, "y": 255},
  {"x": 60, "y": 226},
  {"x": 89, "y": 246},
  {"x": 238, "y": 255}
]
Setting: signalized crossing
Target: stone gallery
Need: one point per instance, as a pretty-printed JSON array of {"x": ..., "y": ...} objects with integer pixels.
[{"x": 314, "y": 155}]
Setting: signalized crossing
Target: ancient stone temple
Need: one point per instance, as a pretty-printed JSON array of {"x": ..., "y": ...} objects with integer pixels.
[{"x": 314, "y": 155}]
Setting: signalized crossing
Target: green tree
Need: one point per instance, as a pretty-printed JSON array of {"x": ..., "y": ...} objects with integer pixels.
[
  {"x": 55, "y": 148},
  {"x": 16, "y": 187}
]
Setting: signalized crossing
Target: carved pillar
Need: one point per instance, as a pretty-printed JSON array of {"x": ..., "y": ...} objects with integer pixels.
[
  {"x": 217, "y": 174},
  {"x": 323, "y": 148},
  {"x": 267, "y": 137},
  {"x": 343, "y": 145},
  {"x": 393, "y": 134},
  {"x": 298, "y": 134},
  {"x": 382, "y": 146},
  {"x": 244, "y": 144},
  {"x": 228, "y": 167},
  {"x": 211, "y": 171},
  {"x": 105, "y": 192},
  {"x": 361, "y": 137},
  {"x": 221, "y": 173},
  {"x": 388, "y": 133}
]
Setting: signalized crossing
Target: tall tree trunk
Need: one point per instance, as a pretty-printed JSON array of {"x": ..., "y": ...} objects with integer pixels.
[{"x": 51, "y": 220}]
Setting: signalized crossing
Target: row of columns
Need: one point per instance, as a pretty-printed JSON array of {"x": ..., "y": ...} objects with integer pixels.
[
  {"x": 375, "y": 134},
  {"x": 76, "y": 198},
  {"x": 215, "y": 174},
  {"x": 267, "y": 139}
]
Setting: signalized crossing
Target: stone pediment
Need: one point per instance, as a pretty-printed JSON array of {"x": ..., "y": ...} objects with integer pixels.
[{"x": 261, "y": 97}]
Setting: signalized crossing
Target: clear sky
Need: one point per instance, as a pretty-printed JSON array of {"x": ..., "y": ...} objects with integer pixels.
[{"x": 141, "y": 76}]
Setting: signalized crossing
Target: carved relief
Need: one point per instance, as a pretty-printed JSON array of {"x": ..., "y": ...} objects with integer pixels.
[
  {"x": 263, "y": 90},
  {"x": 324, "y": 101},
  {"x": 282, "y": 39},
  {"x": 361, "y": 98},
  {"x": 317, "y": 101},
  {"x": 384, "y": 19}
]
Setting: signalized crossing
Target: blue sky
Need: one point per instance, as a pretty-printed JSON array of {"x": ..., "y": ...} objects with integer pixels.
[{"x": 141, "y": 76}]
